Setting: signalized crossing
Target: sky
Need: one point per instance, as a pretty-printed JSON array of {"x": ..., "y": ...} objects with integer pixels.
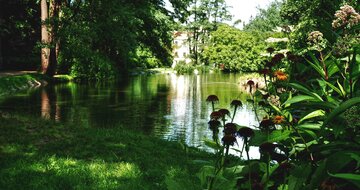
[{"x": 244, "y": 9}]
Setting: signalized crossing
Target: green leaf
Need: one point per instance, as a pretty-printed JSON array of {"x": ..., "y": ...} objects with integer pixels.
[
  {"x": 337, "y": 161},
  {"x": 172, "y": 184},
  {"x": 341, "y": 93},
  {"x": 300, "y": 98},
  {"x": 319, "y": 175},
  {"x": 271, "y": 171},
  {"x": 305, "y": 90},
  {"x": 332, "y": 68},
  {"x": 311, "y": 133},
  {"x": 211, "y": 144},
  {"x": 204, "y": 173},
  {"x": 298, "y": 176},
  {"x": 322, "y": 105},
  {"x": 279, "y": 135},
  {"x": 316, "y": 65},
  {"x": 354, "y": 178},
  {"x": 313, "y": 126},
  {"x": 235, "y": 170},
  {"x": 275, "y": 136},
  {"x": 313, "y": 114},
  {"x": 340, "y": 109},
  {"x": 341, "y": 88},
  {"x": 275, "y": 108}
]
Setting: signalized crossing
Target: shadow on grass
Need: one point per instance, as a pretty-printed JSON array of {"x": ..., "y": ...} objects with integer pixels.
[{"x": 39, "y": 154}]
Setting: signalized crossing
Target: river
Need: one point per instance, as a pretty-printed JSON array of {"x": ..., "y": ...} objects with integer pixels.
[{"x": 168, "y": 106}]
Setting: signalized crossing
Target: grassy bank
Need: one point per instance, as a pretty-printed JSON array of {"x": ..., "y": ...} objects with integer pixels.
[
  {"x": 40, "y": 154},
  {"x": 11, "y": 84}
]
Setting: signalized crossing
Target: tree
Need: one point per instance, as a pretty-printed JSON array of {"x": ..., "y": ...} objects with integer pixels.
[
  {"x": 234, "y": 50},
  {"x": 267, "y": 19},
  {"x": 19, "y": 33},
  {"x": 206, "y": 15},
  {"x": 310, "y": 15},
  {"x": 49, "y": 27},
  {"x": 45, "y": 37}
]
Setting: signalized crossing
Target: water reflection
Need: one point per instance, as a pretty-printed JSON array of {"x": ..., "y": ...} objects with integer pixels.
[{"x": 168, "y": 106}]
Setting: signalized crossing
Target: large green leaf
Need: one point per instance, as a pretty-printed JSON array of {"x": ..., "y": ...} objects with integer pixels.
[
  {"x": 354, "y": 178},
  {"x": 332, "y": 68},
  {"x": 340, "y": 109},
  {"x": 275, "y": 136},
  {"x": 321, "y": 105},
  {"x": 316, "y": 65},
  {"x": 316, "y": 113},
  {"x": 211, "y": 144},
  {"x": 298, "y": 176},
  {"x": 338, "y": 90},
  {"x": 305, "y": 90},
  {"x": 312, "y": 126},
  {"x": 300, "y": 98}
]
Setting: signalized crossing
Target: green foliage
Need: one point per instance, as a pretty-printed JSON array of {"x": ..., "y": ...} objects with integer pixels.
[
  {"x": 19, "y": 33},
  {"x": 234, "y": 50},
  {"x": 204, "y": 17},
  {"x": 97, "y": 67},
  {"x": 311, "y": 15},
  {"x": 184, "y": 68},
  {"x": 309, "y": 136},
  {"x": 12, "y": 84},
  {"x": 144, "y": 58},
  {"x": 267, "y": 19}
]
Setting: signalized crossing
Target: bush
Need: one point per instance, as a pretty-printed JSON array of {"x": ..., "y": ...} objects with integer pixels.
[
  {"x": 234, "y": 50},
  {"x": 96, "y": 67},
  {"x": 184, "y": 68}
]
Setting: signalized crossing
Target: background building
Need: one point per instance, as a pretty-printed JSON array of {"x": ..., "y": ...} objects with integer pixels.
[{"x": 181, "y": 51}]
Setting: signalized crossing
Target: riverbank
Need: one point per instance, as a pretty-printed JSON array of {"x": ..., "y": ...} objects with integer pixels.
[
  {"x": 11, "y": 83},
  {"x": 42, "y": 154}
]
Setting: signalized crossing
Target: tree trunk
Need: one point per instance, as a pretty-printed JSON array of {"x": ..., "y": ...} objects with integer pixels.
[
  {"x": 45, "y": 37},
  {"x": 54, "y": 16}
]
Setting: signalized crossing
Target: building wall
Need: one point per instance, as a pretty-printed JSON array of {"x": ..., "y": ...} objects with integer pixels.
[{"x": 181, "y": 48}]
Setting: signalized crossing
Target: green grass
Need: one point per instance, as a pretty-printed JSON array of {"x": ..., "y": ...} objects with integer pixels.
[
  {"x": 62, "y": 78},
  {"x": 11, "y": 84},
  {"x": 40, "y": 154}
]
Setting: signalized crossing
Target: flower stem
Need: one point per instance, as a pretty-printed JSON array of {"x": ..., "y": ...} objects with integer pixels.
[{"x": 233, "y": 117}]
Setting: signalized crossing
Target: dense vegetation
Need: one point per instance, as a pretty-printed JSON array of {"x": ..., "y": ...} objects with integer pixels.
[
  {"x": 88, "y": 39},
  {"x": 308, "y": 133}
]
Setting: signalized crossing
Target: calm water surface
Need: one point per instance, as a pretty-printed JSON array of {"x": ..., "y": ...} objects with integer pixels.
[{"x": 166, "y": 105}]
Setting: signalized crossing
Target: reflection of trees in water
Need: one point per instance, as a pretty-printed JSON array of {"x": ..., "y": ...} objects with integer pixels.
[
  {"x": 49, "y": 108},
  {"x": 189, "y": 112},
  {"x": 169, "y": 106}
]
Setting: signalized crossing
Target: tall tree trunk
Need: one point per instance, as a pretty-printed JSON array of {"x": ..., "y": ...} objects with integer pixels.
[
  {"x": 195, "y": 35},
  {"x": 54, "y": 16},
  {"x": 45, "y": 37}
]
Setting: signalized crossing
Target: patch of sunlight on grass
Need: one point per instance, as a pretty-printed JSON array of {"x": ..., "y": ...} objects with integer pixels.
[
  {"x": 38, "y": 167},
  {"x": 121, "y": 170},
  {"x": 126, "y": 170},
  {"x": 95, "y": 168}
]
